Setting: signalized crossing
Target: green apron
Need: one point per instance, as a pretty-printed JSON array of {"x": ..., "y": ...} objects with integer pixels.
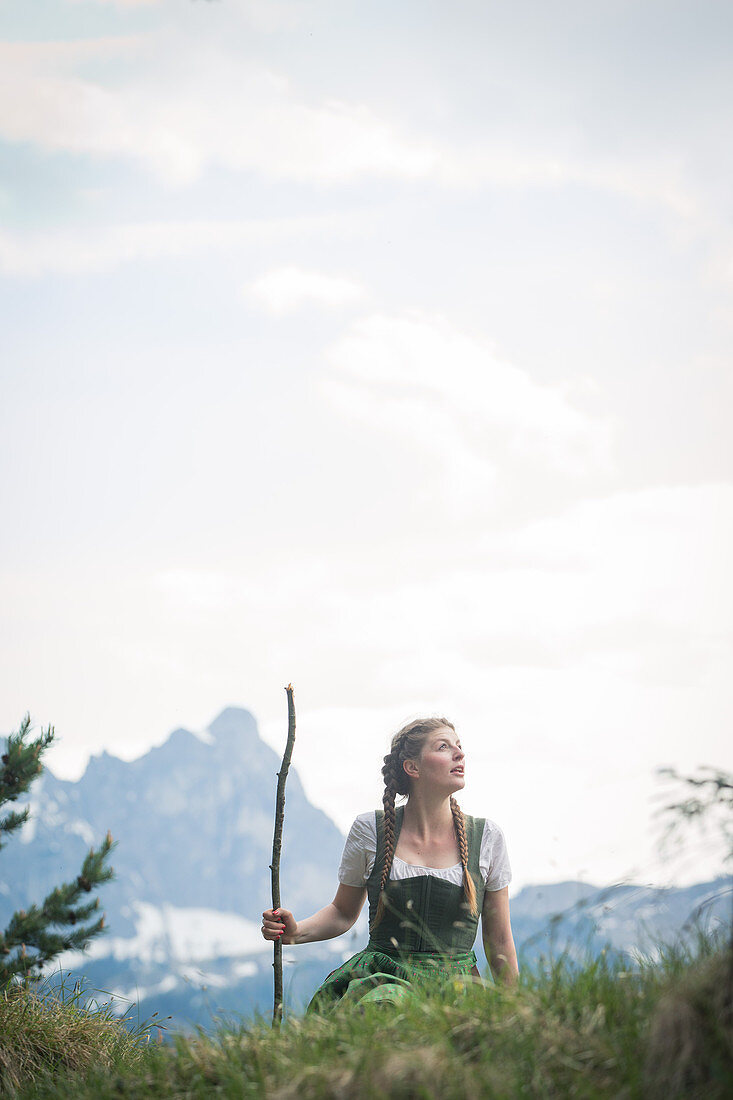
[{"x": 427, "y": 930}]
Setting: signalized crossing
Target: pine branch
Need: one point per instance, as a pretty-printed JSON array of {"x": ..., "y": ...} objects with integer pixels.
[
  {"x": 13, "y": 820},
  {"x": 36, "y": 935},
  {"x": 58, "y": 923},
  {"x": 21, "y": 763}
]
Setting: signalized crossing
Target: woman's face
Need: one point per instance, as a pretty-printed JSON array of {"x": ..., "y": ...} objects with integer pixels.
[{"x": 441, "y": 762}]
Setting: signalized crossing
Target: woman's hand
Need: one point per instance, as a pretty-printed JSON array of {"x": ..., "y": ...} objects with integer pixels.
[
  {"x": 334, "y": 920},
  {"x": 279, "y": 924}
]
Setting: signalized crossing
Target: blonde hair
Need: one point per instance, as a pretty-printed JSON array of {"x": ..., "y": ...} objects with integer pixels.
[{"x": 407, "y": 744}]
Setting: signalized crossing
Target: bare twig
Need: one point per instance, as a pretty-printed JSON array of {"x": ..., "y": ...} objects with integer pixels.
[
  {"x": 282, "y": 775},
  {"x": 716, "y": 793}
]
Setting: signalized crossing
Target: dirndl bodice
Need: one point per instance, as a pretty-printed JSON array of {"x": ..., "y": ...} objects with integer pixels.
[{"x": 424, "y": 913}]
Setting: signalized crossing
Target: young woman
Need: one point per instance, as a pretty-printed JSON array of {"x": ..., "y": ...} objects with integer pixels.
[{"x": 428, "y": 870}]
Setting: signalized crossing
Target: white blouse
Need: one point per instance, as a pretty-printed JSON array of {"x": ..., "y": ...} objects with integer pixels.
[{"x": 360, "y": 851}]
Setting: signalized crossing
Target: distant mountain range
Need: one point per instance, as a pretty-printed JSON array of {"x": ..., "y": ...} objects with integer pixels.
[{"x": 193, "y": 823}]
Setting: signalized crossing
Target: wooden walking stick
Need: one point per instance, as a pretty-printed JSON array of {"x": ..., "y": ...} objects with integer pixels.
[{"x": 282, "y": 775}]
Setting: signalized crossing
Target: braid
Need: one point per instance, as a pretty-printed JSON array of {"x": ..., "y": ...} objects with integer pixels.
[
  {"x": 468, "y": 885},
  {"x": 391, "y": 783}
]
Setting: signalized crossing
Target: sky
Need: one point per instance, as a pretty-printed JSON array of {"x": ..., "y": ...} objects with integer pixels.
[{"x": 385, "y": 350}]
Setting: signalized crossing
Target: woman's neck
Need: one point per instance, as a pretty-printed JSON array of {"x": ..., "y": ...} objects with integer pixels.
[{"x": 426, "y": 816}]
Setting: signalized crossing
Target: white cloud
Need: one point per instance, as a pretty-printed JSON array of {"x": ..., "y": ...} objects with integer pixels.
[
  {"x": 655, "y": 179},
  {"x": 640, "y": 575},
  {"x": 104, "y": 248},
  {"x": 266, "y": 15},
  {"x": 484, "y": 421},
  {"x": 286, "y": 289},
  {"x": 186, "y": 105},
  {"x": 120, "y": 3},
  {"x": 195, "y": 108}
]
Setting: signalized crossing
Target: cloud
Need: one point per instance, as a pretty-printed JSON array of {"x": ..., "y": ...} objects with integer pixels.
[
  {"x": 287, "y": 289},
  {"x": 197, "y": 107},
  {"x": 629, "y": 572},
  {"x": 178, "y": 105},
  {"x": 485, "y": 423},
  {"x": 266, "y": 15},
  {"x": 644, "y": 577},
  {"x": 104, "y": 248},
  {"x": 524, "y": 164},
  {"x": 120, "y": 3}
]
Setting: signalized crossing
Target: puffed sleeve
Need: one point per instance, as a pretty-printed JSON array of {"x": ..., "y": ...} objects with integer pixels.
[
  {"x": 494, "y": 859},
  {"x": 360, "y": 851}
]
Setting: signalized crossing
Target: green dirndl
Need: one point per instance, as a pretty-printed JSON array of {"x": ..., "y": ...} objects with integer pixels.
[{"x": 427, "y": 932}]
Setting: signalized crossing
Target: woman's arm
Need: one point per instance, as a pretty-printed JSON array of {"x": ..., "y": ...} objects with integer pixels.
[
  {"x": 333, "y": 920},
  {"x": 496, "y": 930}
]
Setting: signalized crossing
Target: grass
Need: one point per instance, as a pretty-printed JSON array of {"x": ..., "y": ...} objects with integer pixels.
[
  {"x": 53, "y": 1029},
  {"x": 663, "y": 1029}
]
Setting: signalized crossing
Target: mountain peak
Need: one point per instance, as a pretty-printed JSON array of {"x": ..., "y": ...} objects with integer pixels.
[
  {"x": 234, "y": 725},
  {"x": 180, "y": 735},
  {"x": 103, "y": 762}
]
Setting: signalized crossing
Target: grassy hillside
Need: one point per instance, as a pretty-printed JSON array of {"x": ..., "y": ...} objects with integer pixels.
[{"x": 664, "y": 1030}]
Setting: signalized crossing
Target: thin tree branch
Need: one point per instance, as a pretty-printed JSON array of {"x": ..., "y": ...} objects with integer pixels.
[{"x": 282, "y": 775}]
